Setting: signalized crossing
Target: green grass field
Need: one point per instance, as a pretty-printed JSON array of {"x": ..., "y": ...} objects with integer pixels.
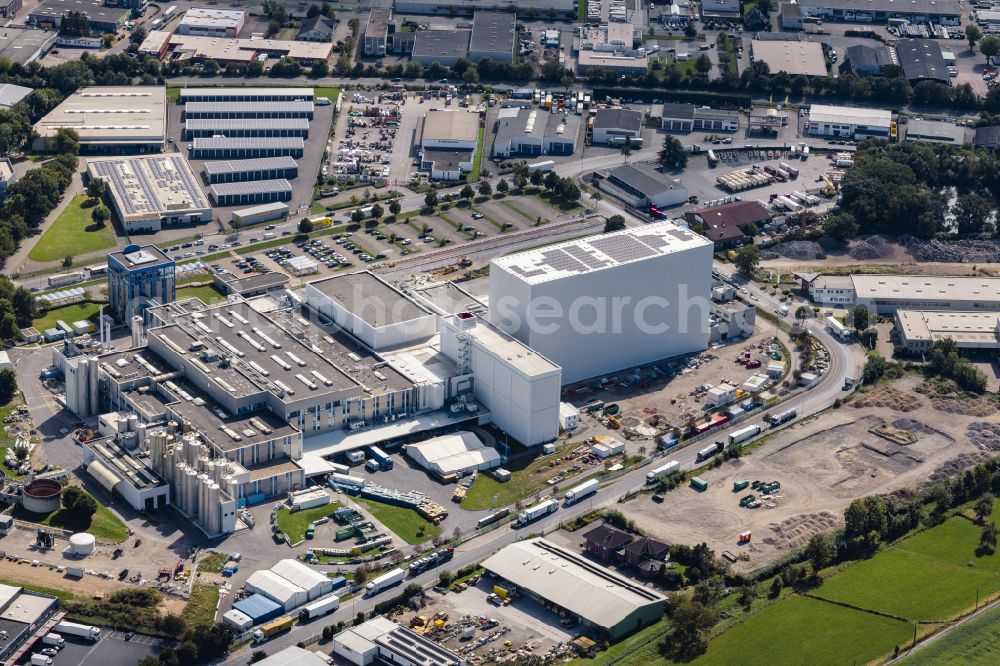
[
  {"x": 975, "y": 643},
  {"x": 213, "y": 562},
  {"x": 330, "y": 92},
  {"x": 932, "y": 576},
  {"x": 68, "y": 313},
  {"x": 799, "y": 630},
  {"x": 407, "y": 524},
  {"x": 477, "y": 159},
  {"x": 200, "y": 608},
  {"x": 104, "y": 525},
  {"x": 294, "y": 523},
  {"x": 528, "y": 475},
  {"x": 207, "y": 293},
  {"x": 68, "y": 235}
]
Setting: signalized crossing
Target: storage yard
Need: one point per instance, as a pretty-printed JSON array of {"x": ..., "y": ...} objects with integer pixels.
[{"x": 894, "y": 440}]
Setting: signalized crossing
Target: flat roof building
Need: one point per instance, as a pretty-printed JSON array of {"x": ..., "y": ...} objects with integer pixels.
[
  {"x": 22, "y": 45},
  {"x": 229, "y": 49},
  {"x": 251, "y": 192},
  {"x": 922, "y": 60},
  {"x": 245, "y": 127},
  {"x": 101, "y": 18},
  {"x": 848, "y": 121},
  {"x": 559, "y": 8},
  {"x": 375, "y": 40},
  {"x": 599, "y": 597},
  {"x": 153, "y": 191},
  {"x": 493, "y": 36},
  {"x": 445, "y": 47},
  {"x": 382, "y": 641},
  {"x": 888, "y": 293},
  {"x": 249, "y": 286},
  {"x": 600, "y": 269},
  {"x": 247, "y": 147},
  {"x": 262, "y": 213},
  {"x": 301, "y": 109},
  {"x": 450, "y": 130},
  {"x": 612, "y": 126},
  {"x": 641, "y": 186},
  {"x": 534, "y": 132},
  {"x": 276, "y": 94},
  {"x": 611, "y": 47},
  {"x": 110, "y": 118},
  {"x": 918, "y": 330},
  {"x": 791, "y": 57},
  {"x": 11, "y": 94},
  {"x": 210, "y": 22},
  {"x": 293, "y": 655},
  {"x": 945, "y": 12},
  {"x": 935, "y": 131},
  {"x": 263, "y": 168},
  {"x": 679, "y": 117}
]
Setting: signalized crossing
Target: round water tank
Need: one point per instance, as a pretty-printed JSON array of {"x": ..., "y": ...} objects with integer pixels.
[
  {"x": 82, "y": 544},
  {"x": 42, "y": 496}
]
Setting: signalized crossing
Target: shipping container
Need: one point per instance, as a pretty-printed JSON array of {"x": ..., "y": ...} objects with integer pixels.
[
  {"x": 699, "y": 483},
  {"x": 273, "y": 628},
  {"x": 740, "y": 484}
]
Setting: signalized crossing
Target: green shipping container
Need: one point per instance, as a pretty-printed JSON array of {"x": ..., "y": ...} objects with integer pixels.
[
  {"x": 747, "y": 499},
  {"x": 611, "y": 409},
  {"x": 740, "y": 485},
  {"x": 699, "y": 483},
  {"x": 345, "y": 533}
]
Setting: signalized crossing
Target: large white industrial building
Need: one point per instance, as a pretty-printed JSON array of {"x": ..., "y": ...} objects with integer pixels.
[
  {"x": 382, "y": 641},
  {"x": 458, "y": 453},
  {"x": 886, "y": 294},
  {"x": 603, "y": 303}
]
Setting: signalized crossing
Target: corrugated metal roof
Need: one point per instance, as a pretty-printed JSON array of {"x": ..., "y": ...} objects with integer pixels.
[
  {"x": 224, "y": 124},
  {"x": 263, "y": 142},
  {"x": 257, "y": 606},
  {"x": 304, "y": 576},
  {"x": 246, "y": 108},
  {"x": 245, "y": 166},
  {"x": 251, "y": 187},
  {"x": 276, "y": 588}
]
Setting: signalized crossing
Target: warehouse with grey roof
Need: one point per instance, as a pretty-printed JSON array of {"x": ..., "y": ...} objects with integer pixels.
[
  {"x": 599, "y": 597},
  {"x": 246, "y": 127},
  {"x": 445, "y": 47},
  {"x": 493, "y": 36},
  {"x": 263, "y": 168},
  {"x": 247, "y": 147},
  {"x": 251, "y": 192},
  {"x": 300, "y": 109}
]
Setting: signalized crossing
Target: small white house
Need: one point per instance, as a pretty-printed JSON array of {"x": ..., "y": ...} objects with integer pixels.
[
  {"x": 607, "y": 447},
  {"x": 569, "y": 416}
]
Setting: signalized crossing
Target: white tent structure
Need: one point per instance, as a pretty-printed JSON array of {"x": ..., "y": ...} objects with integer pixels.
[
  {"x": 456, "y": 453},
  {"x": 313, "y": 582},
  {"x": 276, "y": 588}
]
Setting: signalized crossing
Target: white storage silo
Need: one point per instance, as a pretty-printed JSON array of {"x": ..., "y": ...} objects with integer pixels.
[{"x": 82, "y": 544}]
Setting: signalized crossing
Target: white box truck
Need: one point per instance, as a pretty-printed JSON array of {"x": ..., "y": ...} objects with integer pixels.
[
  {"x": 535, "y": 512},
  {"x": 743, "y": 434},
  {"x": 40, "y": 660},
  {"x": 82, "y": 630},
  {"x": 662, "y": 471},
  {"x": 321, "y": 607},
  {"x": 53, "y": 640},
  {"x": 394, "y": 577},
  {"x": 585, "y": 489}
]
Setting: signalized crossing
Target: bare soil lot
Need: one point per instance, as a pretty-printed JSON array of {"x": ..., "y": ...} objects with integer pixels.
[{"x": 822, "y": 465}]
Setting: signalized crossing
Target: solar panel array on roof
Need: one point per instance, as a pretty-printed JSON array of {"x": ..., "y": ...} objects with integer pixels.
[{"x": 623, "y": 248}]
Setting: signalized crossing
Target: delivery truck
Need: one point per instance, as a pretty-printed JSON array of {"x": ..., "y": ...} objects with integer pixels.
[
  {"x": 662, "y": 471},
  {"x": 386, "y": 580},
  {"x": 782, "y": 417},
  {"x": 40, "y": 660},
  {"x": 533, "y": 513},
  {"x": 54, "y": 640},
  {"x": 273, "y": 628},
  {"x": 87, "y": 631},
  {"x": 743, "y": 434},
  {"x": 585, "y": 489},
  {"x": 320, "y": 608},
  {"x": 710, "y": 451}
]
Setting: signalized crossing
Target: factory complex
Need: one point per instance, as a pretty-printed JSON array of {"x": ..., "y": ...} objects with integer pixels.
[{"x": 110, "y": 119}]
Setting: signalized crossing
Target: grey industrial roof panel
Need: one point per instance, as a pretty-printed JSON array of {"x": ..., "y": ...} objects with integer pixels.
[
  {"x": 493, "y": 32},
  {"x": 11, "y": 94},
  {"x": 92, "y": 10},
  {"x": 222, "y": 93},
  {"x": 246, "y": 166},
  {"x": 643, "y": 178},
  {"x": 248, "y": 107},
  {"x": 251, "y": 187},
  {"x": 444, "y": 43},
  {"x": 227, "y": 124},
  {"x": 363, "y": 294},
  {"x": 264, "y": 142},
  {"x": 921, "y": 59},
  {"x": 618, "y": 119},
  {"x": 150, "y": 184}
]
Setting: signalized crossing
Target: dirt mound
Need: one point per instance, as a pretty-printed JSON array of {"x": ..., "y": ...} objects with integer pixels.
[
  {"x": 884, "y": 396},
  {"x": 984, "y": 435},
  {"x": 873, "y": 247},
  {"x": 920, "y": 428},
  {"x": 954, "y": 251},
  {"x": 799, "y": 250},
  {"x": 955, "y": 404},
  {"x": 958, "y": 464},
  {"x": 796, "y": 531}
]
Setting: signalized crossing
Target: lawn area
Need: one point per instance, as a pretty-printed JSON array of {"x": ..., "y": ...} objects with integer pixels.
[
  {"x": 477, "y": 159},
  {"x": 68, "y": 235},
  {"x": 207, "y": 293},
  {"x": 201, "y": 606},
  {"x": 559, "y": 204},
  {"x": 173, "y": 93},
  {"x": 641, "y": 647},
  {"x": 527, "y": 475},
  {"x": 975, "y": 643},
  {"x": 68, "y": 313},
  {"x": 294, "y": 523},
  {"x": 213, "y": 562},
  {"x": 330, "y": 92},
  {"x": 932, "y": 576},
  {"x": 800, "y": 630},
  {"x": 519, "y": 211},
  {"x": 104, "y": 525},
  {"x": 407, "y": 524}
]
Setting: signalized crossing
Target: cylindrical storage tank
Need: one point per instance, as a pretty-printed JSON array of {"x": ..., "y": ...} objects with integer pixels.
[
  {"x": 191, "y": 491},
  {"x": 133, "y": 422},
  {"x": 81, "y": 391},
  {"x": 82, "y": 544},
  {"x": 213, "y": 510},
  {"x": 92, "y": 386},
  {"x": 141, "y": 437},
  {"x": 42, "y": 496},
  {"x": 136, "y": 331},
  {"x": 203, "y": 482}
]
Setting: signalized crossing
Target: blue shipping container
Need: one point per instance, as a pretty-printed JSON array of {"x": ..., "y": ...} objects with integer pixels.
[{"x": 338, "y": 582}]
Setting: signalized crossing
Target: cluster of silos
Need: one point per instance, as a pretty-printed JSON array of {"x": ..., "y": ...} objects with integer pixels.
[
  {"x": 200, "y": 485},
  {"x": 81, "y": 385}
]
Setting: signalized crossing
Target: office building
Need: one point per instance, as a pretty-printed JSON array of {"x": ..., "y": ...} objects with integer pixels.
[
  {"x": 848, "y": 122},
  {"x": 138, "y": 277},
  {"x": 611, "y": 47},
  {"x": 791, "y": 57},
  {"x": 445, "y": 47},
  {"x": 208, "y": 22},
  {"x": 612, "y": 126},
  {"x": 534, "y": 132},
  {"x": 110, "y": 119},
  {"x": 918, "y": 330},
  {"x": 790, "y": 16},
  {"x": 494, "y": 36},
  {"x": 153, "y": 191},
  {"x": 375, "y": 40},
  {"x": 585, "y": 277},
  {"x": 720, "y": 9},
  {"x": 600, "y": 598},
  {"x": 678, "y": 117}
]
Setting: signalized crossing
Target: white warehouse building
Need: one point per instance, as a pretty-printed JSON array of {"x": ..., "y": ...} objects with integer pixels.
[
  {"x": 277, "y": 588},
  {"x": 315, "y": 583},
  {"x": 604, "y": 303},
  {"x": 848, "y": 121}
]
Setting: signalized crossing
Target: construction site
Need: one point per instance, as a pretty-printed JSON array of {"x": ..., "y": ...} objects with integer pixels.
[{"x": 886, "y": 440}]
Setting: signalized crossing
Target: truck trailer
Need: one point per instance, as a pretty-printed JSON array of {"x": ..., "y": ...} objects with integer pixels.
[
  {"x": 54, "y": 640},
  {"x": 662, "y": 471},
  {"x": 319, "y": 608},
  {"x": 273, "y": 628},
  {"x": 710, "y": 451},
  {"x": 782, "y": 417},
  {"x": 533, "y": 513},
  {"x": 585, "y": 489},
  {"x": 386, "y": 580},
  {"x": 87, "y": 631},
  {"x": 743, "y": 434},
  {"x": 383, "y": 459}
]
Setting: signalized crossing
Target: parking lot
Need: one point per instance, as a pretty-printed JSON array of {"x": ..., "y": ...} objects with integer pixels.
[{"x": 112, "y": 648}]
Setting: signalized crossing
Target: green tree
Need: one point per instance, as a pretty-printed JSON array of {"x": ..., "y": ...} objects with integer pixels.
[
  {"x": 377, "y": 211},
  {"x": 171, "y": 624},
  {"x": 841, "y": 226},
  {"x": 485, "y": 189},
  {"x": 8, "y": 385},
  {"x": 305, "y": 225},
  {"x": 972, "y": 34},
  {"x": 445, "y": 578},
  {"x": 74, "y": 24},
  {"x": 67, "y": 261},
  {"x": 9, "y": 329},
  {"x": 703, "y": 64},
  {"x": 520, "y": 180},
  {"x": 502, "y": 186},
  {"x": 874, "y": 367},
  {"x": 67, "y": 141},
  {"x": 747, "y": 260},
  {"x": 988, "y": 538},
  {"x": 313, "y": 11},
  {"x": 690, "y": 31},
  {"x": 394, "y": 207},
  {"x": 100, "y": 215},
  {"x": 536, "y": 178},
  {"x": 431, "y": 199},
  {"x": 626, "y": 148},
  {"x": 972, "y": 214},
  {"x": 860, "y": 318},
  {"x": 803, "y": 312},
  {"x": 690, "y": 622},
  {"x": 990, "y": 46},
  {"x": 357, "y": 215},
  {"x": 673, "y": 155},
  {"x": 467, "y": 192},
  {"x": 97, "y": 188},
  {"x": 820, "y": 551},
  {"x": 984, "y": 507},
  {"x": 614, "y": 223},
  {"x": 551, "y": 180},
  {"x": 258, "y": 655},
  {"x": 866, "y": 521}
]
